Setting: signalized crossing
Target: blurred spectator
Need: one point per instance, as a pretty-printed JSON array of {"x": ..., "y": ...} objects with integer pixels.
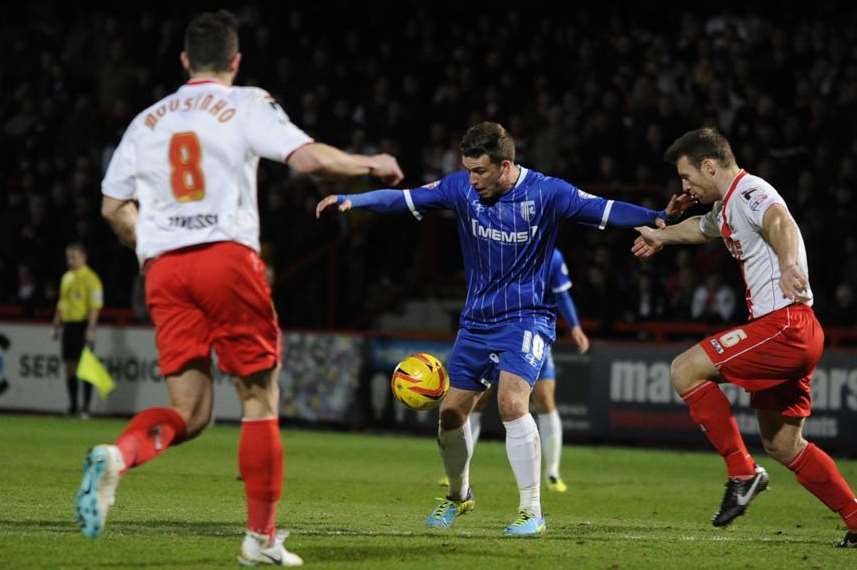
[
  {"x": 713, "y": 301},
  {"x": 647, "y": 300},
  {"x": 26, "y": 296},
  {"x": 843, "y": 311}
]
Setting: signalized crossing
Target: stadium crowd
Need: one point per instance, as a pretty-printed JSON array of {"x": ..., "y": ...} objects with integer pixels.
[{"x": 593, "y": 97}]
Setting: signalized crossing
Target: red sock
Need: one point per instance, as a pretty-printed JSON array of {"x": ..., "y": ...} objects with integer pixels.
[
  {"x": 149, "y": 433},
  {"x": 712, "y": 411},
  {"x": 817, "y": 472},
  {"x": 260, "y": 458}
]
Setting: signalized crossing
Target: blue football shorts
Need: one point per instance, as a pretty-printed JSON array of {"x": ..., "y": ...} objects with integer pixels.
[
  {"x": 479, "y": 355},
  {"x": 548, "y": 369}
]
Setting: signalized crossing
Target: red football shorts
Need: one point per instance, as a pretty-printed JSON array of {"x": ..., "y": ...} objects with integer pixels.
[
  {"x": 773, "y": 358},
  {"x": 212, "y": 296}
]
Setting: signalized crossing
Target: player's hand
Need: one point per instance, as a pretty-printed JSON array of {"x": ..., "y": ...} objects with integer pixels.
[
  {"x": 679, "y": 203},
  {"x": 90, "y": 335},
  {"x": 648, "y": 243},
  {"x": 386, "y": 167},
  {"x": 580, "y": 339},
  {"x": 794, "y": 284},
  {"x": 328, "y": 201}
]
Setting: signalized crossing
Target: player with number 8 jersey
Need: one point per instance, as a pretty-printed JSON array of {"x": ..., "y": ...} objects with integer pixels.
[
  {"x": 191, "y": 161},
  {"x": 181, "y": 189}
]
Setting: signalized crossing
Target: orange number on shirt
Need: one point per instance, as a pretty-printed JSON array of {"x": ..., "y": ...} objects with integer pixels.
[
  {"x": 733, "y": 337},
  {"x": 186, "y": 178}
]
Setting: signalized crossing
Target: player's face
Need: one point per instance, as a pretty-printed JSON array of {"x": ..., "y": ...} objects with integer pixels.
[
  {"x": 696, "y": 181},
  {"x": 485, "y": 176},
  {"x": 74, "y": 258}
]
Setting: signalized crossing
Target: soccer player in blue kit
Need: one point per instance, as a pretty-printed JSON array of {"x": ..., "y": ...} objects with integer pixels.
[
  {"x": 508, "y": 221},
  {"x": 544, "y": 391}
]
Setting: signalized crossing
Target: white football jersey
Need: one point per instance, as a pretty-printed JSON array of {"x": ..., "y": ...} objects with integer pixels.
[
  {"x": 190, "y": 160},
  {"x": 738, "y": 220}
]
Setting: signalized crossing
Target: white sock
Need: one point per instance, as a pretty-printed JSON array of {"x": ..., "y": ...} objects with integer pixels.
[
  {"x": 524, "y": 452},
  {"x": 550, "y": 432},
  {"x": 475, "y": 426},
  {"x": 455, "y": 448}
]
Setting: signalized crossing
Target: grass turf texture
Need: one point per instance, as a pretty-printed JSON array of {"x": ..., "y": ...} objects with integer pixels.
[{"x": 358, "y": 501}]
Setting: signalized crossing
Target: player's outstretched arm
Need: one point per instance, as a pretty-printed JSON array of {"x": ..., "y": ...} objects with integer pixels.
[
  {"x": 433, "y": 196},
  {"x": 381, "y": 201},
  {"x": 625, "y": 214},
  {"x": 326, "y": 160},
  {"x": 122, "y": 216},
  {"x": 600, "y": 212},
  {"x": 780, "y": 230},
  {"x": 650, "y": 241}
]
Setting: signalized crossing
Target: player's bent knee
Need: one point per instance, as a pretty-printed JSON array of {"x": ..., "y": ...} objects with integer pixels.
[
  {"x": 259, "y": 394},
  {"x": 512, "y": 408},
  {"x": 783, "y": 451},
  {"x": 682, "y": 373},
  {"x": 196, "y": 420},
  {"x": 194, "y": 429},
  {"x": 452, "y": 418},
  {"x": 543, "y": 400}
]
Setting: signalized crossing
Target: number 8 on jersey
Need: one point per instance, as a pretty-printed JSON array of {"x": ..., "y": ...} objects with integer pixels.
[{"x": 186, "y": 176}]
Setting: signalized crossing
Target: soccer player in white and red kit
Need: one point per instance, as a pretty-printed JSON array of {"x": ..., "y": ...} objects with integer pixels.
[
  {"x": 774, "y": 355},
  {"x": 181, "y": 189}
]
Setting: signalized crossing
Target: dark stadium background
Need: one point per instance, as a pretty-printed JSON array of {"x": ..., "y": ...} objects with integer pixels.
[{"x": 592, "y": 93}]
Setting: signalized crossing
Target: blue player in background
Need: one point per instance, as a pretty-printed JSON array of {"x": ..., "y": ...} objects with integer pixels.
[
  {"x": 508, "y": 221},
  {"x": 544, "y": 392}
]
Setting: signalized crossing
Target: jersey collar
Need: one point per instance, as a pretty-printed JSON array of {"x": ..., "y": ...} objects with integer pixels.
[
  {"x": 733, "y": 186},
  {"x": 204, "y": 81},
  {"x": 521, "y": 177},
  {"x": 725, "y": 229}
]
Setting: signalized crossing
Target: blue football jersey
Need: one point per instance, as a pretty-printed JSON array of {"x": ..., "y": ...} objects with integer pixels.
[{"x": 508, "y": 245}]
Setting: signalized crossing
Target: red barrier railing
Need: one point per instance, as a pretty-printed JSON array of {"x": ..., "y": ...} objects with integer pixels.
[{"x": 651, "y": 331}]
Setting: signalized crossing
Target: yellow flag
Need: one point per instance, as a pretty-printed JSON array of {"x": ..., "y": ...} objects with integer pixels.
[{"x": 90, "y": 369}]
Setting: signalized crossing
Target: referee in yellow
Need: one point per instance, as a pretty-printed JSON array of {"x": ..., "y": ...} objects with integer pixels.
[{"x": 81, "y": 299}]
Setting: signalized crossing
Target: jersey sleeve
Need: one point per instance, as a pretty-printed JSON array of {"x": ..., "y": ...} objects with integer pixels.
[
  {"x": 96, "y": 292},
  {"x": 573, "y": 203},
  {"x": 756, "y": 201},
  {"x": 120, "y": 180},
  {"x": 708, "y": 223},
  {"x": 269, "y": 131},
  {"x": 565, "y": 305},
  {"x": 440, "y": 194},
  {"x": 559, "y": 278}
]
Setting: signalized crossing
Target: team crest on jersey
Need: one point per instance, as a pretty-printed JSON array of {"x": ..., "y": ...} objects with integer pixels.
[
  {"x": 756, "y": 203},
  {"x": 528, "y": 210},
  {"x": 478, "y": 206}
]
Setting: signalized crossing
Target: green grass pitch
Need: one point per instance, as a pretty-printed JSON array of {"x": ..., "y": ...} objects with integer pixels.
[{"x": 358, "y": 501}]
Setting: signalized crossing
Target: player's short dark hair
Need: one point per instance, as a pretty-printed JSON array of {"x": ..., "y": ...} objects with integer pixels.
[
  {"x": 488, "y": 138},
  {"x": 211, "y": 40},
  {"x": 698, "y": 145},
  {"x": 78, "y": 246}
]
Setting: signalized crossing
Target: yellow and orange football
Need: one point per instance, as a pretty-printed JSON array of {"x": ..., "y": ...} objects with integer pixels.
[{"x": 420, "y": 381}]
